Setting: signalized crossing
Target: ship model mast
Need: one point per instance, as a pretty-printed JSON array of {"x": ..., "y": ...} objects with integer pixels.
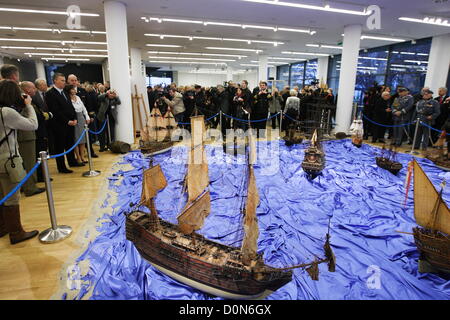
[
  {"x": 388, "y": 160},
  {"x": 156, "y": 136},
  {"x": 432, "y": 214}
]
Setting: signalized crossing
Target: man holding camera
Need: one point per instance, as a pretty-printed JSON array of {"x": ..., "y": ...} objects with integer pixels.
[{"x": 261, "y": 97}]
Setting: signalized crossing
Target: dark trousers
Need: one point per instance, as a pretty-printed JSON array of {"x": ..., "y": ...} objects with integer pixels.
[
  {"x": 41, "y": 145},
  {"x": 64, "y": 140},
  {"x": 260, "y": 124},
  {"x": 378, "y": 131},
  {"x": 27, "y": 150},
  {"x": 423, "y": 136},
  {"x": 275, "y": 120},
  {"x": 104, "y": 137}
]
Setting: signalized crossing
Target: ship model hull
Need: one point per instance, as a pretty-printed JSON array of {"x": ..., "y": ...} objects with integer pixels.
[
  {"x": 434, "y": 248},
  {"x": 392, "y": 166},
  {"x": 357, "y": 142},
  {"x": 153, "y": 147},
  {"x": 200, "y": 263},
  {"x": 439, "y": 159}
]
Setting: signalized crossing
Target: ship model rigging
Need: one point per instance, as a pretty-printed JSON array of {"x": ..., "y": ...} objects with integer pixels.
[
  {"x": 181, "y": 253},
  {"x": 357, "y": 133},
  {"x": 314, "y": 161},
  {"x": 432, "y": 236},
  {"x": 293, "y": 136},
  {"x": 439, "y": 155},
  {"x": 388, "y": 161},
  {"x": 157, "y": 133}
]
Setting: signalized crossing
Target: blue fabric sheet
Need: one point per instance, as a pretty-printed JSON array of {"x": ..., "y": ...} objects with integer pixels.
[{"x": 365, "y": 204}]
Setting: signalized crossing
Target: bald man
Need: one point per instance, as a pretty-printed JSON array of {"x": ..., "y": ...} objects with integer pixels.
[{"x": 27, "y": 147}]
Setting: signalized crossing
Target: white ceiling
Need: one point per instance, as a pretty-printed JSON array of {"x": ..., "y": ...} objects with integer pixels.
[{"x": 329, "y": 25}]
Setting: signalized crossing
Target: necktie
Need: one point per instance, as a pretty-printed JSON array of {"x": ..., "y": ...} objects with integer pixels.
[{"x": 62, "y": 92}]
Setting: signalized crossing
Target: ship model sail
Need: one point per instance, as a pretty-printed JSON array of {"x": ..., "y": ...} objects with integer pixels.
[
  {"x": 314, "y": 161},
  {"x": 357, "y": 133},
  {"x": 181, "y": 253},
  {"x": 157, "y": 133},
  {"x": 388, "y": 161},
  {"x": 433, "y": 217}
]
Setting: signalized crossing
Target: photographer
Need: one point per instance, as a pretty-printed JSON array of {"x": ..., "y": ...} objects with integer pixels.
[
  {"x": 176, "y": 104},
  {"x": 241, "y": 103},
  {"x": 16, "y": 113},
  {"x": 260, "y": 109},
  {"x": 160, "y": 103},
  {"x": 107, "y": 110}
]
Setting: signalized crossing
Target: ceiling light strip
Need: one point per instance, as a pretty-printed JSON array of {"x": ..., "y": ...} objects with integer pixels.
[
  {"x": 162, "y": 36},
  {"x": 199, "y": 54},
  {"x": 234, "y": 49},
  {"x": 305, "y": 53},
  {"x": 55, "y": 49},
  {"x": 186, "y": 62},
  {"x": 187, "y": 58},
  {"x": 64, "y": 13},
  {"x": 433, "y": 21},
  {"x": 63, "y": 42}
]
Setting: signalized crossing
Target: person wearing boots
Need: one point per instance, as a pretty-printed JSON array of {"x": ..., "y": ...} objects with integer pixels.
[
  {"x": 16, "y": 113},
  {"x": 427, "y": 110}
]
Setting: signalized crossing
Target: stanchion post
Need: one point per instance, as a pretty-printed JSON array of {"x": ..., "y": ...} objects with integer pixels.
[
  {"x": 281, "y": 123},
  {"x": 415, "y": 137},
  {"x": 109, "y": 131},
  {"x": 220, "y": 119},
  {"x": 55, "y": 233},
  {"x": 91, "y": 172}
]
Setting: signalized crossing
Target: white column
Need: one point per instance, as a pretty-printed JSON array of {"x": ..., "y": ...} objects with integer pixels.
[
  {"x": 138, "y": 81},
  {"x": 263, "y": 67},
  {"x": 1, "y": 61},
  {"x": 119, "y": 71},
  {"x": 40, "y": 69},
  {"x": 105, "y": 70},
  {"x": 347, "y": 80},
  {"x": 322, "y": 69},
  {"x": 229, "y": 73},
  {"x": 438, "y": 63}
]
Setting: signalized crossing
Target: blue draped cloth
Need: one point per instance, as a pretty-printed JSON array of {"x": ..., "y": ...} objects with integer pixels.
[{"x": 364, "y": 202}]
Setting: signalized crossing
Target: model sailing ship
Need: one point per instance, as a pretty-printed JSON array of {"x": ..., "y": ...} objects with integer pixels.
[
  {"x": 294, "y": 136},
  {"x": 314, "y": 161},
  {"x": 432, "y": 237},
  {"x": 357, "y": 133},
  {"x": 388, "y": 160},
  {"x": 156, "y": 136},
  {"x": 183, "y": 254},
  {"x": 439, "y": 155}
]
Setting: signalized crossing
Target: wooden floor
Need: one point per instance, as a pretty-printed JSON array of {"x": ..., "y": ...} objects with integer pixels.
[{"x": 30, "y": 270}]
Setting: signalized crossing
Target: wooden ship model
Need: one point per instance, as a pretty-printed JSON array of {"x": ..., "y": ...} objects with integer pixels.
[
  {"x": 439, "y": 155},
  {"x": 388, "y": 161},
  {"x": 181, "y": 253},
  {"x": 294, "y": 135},
  {"x": 314, "y": 161},
  {"x": 432, "y": 237},
  {"x": 156, "y": 135},
  {"x": 357, "y": 133}
]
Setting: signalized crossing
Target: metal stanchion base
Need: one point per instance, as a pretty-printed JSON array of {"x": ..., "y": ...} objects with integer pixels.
[
  {"x": 92, "y": 173},
  {"x": 412, "y": 152},
  {"x": 55, "y": 235}
]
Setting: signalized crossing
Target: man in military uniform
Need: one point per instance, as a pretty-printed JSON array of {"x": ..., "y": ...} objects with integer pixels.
[
  {"x": 261, "y": 97},
  {"x": 401, "y": 114},
  {"x": 427, "y": 111}
]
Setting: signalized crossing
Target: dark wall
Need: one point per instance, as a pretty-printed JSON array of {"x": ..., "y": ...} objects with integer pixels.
[
  {"x": 84, "y": 72},
  {"x": 27, "y": 68}
]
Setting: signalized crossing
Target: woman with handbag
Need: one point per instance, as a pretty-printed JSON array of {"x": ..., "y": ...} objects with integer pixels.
[{"x": 16, "y": 113}]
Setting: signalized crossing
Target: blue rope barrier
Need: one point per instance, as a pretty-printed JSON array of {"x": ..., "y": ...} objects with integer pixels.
[
  {"x": 289, "y": 117},
  {"x": 437, "y": 130},
  {"x": 70, "y": 150},
  {"x": 21, "y": 183},
  {"x": 243, "y": 120},
  {"x": 101, "y": 130},
  {"x": 185, "y": 123},
  {"x": 388, "y": 126}
]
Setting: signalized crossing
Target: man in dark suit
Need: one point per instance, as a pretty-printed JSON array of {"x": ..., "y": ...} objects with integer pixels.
[
  {"x": 443, "y": 116},
  {"x": 63, "y": 122}
]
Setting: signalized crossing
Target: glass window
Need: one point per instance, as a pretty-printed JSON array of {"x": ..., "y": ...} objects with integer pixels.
[
  {"x": 297, "y": 74},
  {"x": 282, "y": 74},
  {"x": 311, "y": 71}
]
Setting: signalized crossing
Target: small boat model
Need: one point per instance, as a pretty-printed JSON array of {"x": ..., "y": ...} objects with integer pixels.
[
  {"x": 294, "y": 136},
  {"x": 181, "y": 253},
  {"x": 438, "y": 154},
  {"x": 387, "y": 161},
  {"x": 314, "y": 161},
  {"x": 357, "y": 133},
  {"x": 156, "y": 136},
  {"x": 432, "y": 236}
]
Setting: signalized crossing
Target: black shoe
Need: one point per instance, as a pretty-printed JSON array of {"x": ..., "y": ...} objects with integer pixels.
[
  {"x": 76, "y": 165},
  {"x": 37, "y": 191},
  {"x": 103, "y": 149},
  {"x": 381, "y": 141},
  {"x": 93, "y": 155},
  {"x": 66, "y": 171},
  {"x": 42, "y": 180}
]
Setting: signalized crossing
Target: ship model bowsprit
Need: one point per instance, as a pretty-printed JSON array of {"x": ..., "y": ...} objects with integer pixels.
[
  {"x": 181, "y": 253},
  {"x": 432, "y": 237},
  {"x": 388, "y": 161},
  {"x": 314, "y": 161},
  {"x": 157, "y": 133}
]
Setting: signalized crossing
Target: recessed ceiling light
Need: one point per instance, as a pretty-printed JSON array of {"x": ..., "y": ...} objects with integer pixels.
[
  {"x": 234, "y": 49},
  {"x": 305, "y": 53},
  {"x": 249, "y": 41},
  {"x": 437, "y": 22},
  {"x": 64, "y": 13},
  {"x": 163, "y": 45}
]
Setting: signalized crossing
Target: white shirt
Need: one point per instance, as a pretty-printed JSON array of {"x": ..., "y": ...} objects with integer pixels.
[{"x": 79, "y": 107}]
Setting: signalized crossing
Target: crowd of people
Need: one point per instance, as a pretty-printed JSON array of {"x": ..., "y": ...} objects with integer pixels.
[
  {"x": 237, "y": 102},
  {"x": 394, "y": 113},
  {"x": 37, "y": 118}
]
